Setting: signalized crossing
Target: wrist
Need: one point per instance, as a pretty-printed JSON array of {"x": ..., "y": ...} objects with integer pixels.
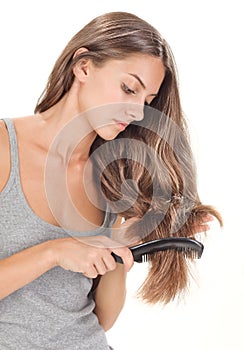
[{"x": 50, "y": 253}]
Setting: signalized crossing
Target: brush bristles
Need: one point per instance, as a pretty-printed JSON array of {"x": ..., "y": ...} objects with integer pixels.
[
  {"x": 187, "y": 253},
  {"x": 144, "y": 258}
]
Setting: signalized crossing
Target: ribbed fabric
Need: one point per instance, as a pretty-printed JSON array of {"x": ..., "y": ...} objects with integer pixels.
[{"x": 55, "y": 311}]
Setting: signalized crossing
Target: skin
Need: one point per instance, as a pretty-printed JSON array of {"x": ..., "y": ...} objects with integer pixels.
[
  {"x": 129, "y": 83},
  {"x": 114, "y": 82}
]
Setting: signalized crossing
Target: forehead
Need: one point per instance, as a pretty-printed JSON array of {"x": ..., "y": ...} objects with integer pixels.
[{"x": 150, "y": 69}]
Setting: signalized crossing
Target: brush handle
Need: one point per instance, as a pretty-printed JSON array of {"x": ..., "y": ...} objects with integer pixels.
[{"x": 117, "y": 258}]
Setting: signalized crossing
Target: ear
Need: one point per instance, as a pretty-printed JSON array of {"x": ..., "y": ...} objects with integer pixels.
[{"x": 81, "y": 68}]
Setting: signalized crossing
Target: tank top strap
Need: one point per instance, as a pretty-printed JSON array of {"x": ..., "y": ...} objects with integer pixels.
[{"x": 13, "y": 146}]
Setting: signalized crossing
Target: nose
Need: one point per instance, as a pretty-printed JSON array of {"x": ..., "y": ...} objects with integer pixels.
[{"x": 136, "y": 111}]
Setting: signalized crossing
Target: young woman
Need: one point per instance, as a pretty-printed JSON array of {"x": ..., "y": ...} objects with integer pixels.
[{"x": 70, "y": 173}]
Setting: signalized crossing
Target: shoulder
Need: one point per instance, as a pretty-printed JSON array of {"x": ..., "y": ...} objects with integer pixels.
[
  {"x": 2, "y": 125},
  {"x": 5, "y": 155},
  {"x": 3, "y": 136}
]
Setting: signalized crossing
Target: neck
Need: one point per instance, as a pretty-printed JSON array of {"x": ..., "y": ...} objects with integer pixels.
[{"x": 65, "y": 125}]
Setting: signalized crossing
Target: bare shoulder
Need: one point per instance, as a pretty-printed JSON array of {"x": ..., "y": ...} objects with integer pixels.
[
  {"x": 5, "y": 155},
  {"x": 2, "y": 126},
  {"x": 4, "y": 140}
]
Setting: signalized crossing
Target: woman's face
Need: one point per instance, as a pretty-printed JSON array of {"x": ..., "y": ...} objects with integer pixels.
[{"x": 115, "y": 94}]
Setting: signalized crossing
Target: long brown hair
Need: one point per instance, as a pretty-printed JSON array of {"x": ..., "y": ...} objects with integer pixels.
[{"x": 172, "y": 207}]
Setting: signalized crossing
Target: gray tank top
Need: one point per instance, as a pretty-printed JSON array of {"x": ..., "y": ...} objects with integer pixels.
[{"x": 55, "y": 311}]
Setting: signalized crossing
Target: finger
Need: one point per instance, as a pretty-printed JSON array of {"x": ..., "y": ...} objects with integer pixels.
[
  {"x": 127, "y": 257},
  {"x": 207, "y": 218},
  {"x": 201, "y": 228},
  {"x": 91, "y": 272},
  {"x": 109, "y": 262},
  {"x": 101, "y": 267}
]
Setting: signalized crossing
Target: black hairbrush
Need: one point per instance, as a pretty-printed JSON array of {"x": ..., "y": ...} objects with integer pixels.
[{"x": 189, "y": 247}]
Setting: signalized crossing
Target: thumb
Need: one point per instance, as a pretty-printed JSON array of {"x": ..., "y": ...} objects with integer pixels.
[{"x": 126, "y": 255}]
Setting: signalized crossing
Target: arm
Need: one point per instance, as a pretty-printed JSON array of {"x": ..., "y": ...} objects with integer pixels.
[
  {"x": 110, "y": 293},
  {"x": 87, "y": 255},
  {"x": 22, "y": 268},
  {"x": 110, "y": 297}
]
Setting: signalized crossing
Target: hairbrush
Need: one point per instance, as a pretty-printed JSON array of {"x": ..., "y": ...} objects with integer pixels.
[{"x": 190, "y": 248}]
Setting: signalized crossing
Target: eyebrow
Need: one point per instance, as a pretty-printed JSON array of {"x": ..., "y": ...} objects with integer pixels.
[{"x": 140, "y": 81}]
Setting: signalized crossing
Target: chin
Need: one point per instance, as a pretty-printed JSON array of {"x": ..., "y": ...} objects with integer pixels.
[{"x": 108, "y": 136}]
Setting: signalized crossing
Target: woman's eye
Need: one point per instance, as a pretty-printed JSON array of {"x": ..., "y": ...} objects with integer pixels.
[{"x": 127, "y": 90}]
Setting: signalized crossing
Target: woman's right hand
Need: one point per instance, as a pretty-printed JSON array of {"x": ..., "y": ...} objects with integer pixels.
[{"x": 89, "y": 255}]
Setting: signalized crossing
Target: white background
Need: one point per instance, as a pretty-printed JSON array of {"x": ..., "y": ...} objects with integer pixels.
[{"x": 207, "y": 41}]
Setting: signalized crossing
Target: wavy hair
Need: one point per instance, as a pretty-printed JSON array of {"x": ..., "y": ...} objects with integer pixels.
[{"x": 163, "y": 172}]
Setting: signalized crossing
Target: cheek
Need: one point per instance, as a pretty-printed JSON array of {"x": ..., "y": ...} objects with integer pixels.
[
  {"x": 99, "y": 92},
  {"x": 106, "y": 91},
  {"x": 108, "y": 94}
]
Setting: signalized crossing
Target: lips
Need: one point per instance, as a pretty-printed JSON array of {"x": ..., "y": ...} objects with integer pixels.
[{"x": 121, "y": 124}]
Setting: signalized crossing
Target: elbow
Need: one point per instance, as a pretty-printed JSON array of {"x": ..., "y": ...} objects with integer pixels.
[
  {"x": 107, "y": 324},
  {"x": 107, "y": 319}
]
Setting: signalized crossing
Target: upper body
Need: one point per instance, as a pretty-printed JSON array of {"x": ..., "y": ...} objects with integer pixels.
[
  {"x": 100, "y": 85},
  {"x": 53, "y": 307},
  {"x": 47, "y": 266}
]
